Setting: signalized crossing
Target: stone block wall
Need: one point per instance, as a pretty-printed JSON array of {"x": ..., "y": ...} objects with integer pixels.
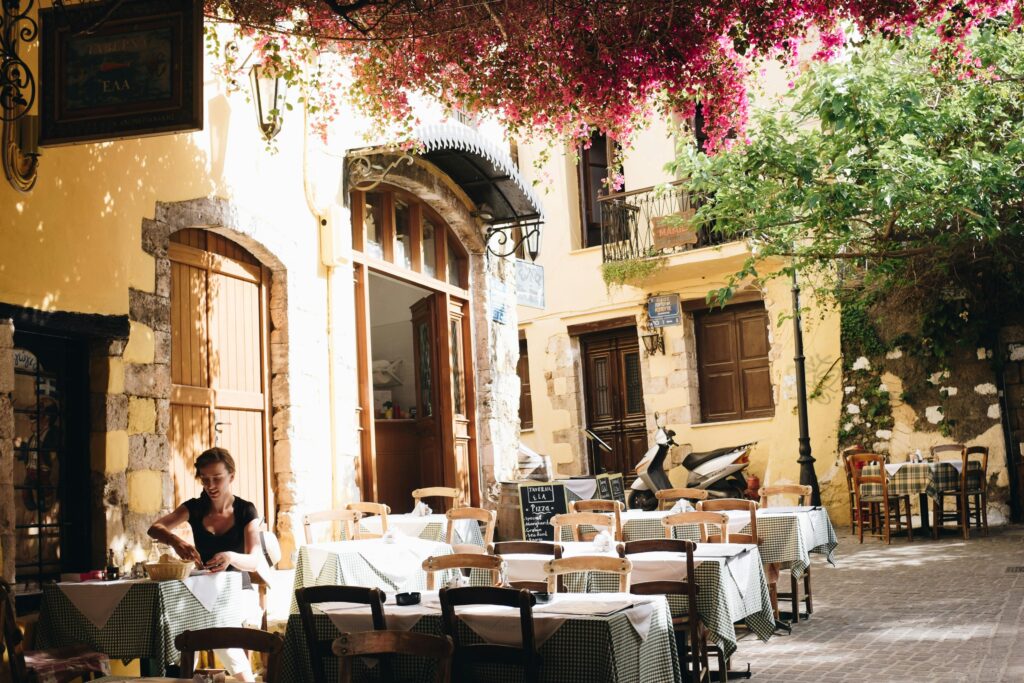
[{"x": 7, "y": 548}]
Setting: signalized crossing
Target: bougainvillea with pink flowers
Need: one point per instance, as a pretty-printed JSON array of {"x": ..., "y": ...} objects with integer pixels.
[{"x": 559, "y": 68}]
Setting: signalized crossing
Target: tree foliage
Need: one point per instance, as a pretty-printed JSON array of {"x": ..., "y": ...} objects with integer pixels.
[
  {"x": 895, "y": 176},
  {"x": 562, "y": 67}
]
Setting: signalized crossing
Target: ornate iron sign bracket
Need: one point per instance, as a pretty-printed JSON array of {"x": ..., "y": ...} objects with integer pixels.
[{"x": 17, "y": 95}]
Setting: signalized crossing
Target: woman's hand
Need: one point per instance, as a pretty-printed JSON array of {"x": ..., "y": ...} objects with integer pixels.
[
  {"x": 187, "y": 551},
  {"x": 220, "y": 561}
]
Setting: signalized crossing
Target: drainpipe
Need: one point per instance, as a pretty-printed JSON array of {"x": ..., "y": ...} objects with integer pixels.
[{"x": 331, "y": 382}]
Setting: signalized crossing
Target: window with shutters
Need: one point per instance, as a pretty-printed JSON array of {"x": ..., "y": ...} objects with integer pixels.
[
  {"x": 525, "y": 394},
  {"x": 732, "y": 357}
]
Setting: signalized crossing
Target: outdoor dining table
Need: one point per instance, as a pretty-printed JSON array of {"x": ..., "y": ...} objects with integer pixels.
[
  {"x": 139, "y": 618},
  {"x": 584, "y": 638},
  {"x": 393, "y": 564},
  {"x": 431, "y": 527},
  {"x": 733, "y": 587},
  {"x": 788, "y": 535},
  {"x": 925, "y": 479}
]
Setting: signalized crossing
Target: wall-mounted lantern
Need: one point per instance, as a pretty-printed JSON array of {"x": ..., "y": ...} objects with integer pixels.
[
  {"x": 268, "y": 94},
  {"x": 654, "y": 341}
]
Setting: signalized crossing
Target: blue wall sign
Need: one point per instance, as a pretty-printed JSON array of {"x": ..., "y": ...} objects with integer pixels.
[{"x": 664, "y": 310}]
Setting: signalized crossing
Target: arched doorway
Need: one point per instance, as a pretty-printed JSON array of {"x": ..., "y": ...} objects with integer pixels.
[
  {"x": 415, "y": 364},
  {"x": 220, "y": 385}
]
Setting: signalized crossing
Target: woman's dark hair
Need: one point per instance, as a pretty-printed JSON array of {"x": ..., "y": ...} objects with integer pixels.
[{"x": 212, "y": 456}]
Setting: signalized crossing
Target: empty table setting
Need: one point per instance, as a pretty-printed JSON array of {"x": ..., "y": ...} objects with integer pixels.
[
  {"x": 137, "y": 618},
  {"x": 432, "y": 527},
  {"x": 391, "y": 564},
  {"x": 583, "y": 637},
  {"x": 732, "y": 583}
]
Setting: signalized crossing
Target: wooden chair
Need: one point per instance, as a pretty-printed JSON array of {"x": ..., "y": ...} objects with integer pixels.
[
  {"x": 209, "y": 639},
  {"x": 946, "y": 451},
  {"x": 588, "y": 563},
  {"x": 702, "y": 520},
  {"x": 30, "y": 665},
  {"x": 479, "y": 515},
  {"x": 350, "y": 646},
  {"x": 455, "y": 495},
  {"x": 367, "y": 509},
  {"x": 437, "y": 563},
  {"x": 553, "y": 550},
  {"x": 803, "y": 494},
  {"x": 574, "y": 520},
  {"x": 972, "y": 487},
  {"x": 320, "y": 649},
  {"x": 848, "y": 469},
  {"x": 876, "y": 506},
  {"x": 468, "y": 656},
  {"x": 610, "y": 507},
  {"x": 668, "y": 497},
  {"x": 688, "y": 629},
  {"x": 350, "y": 518},
  {"x": 723, "y": 504}
]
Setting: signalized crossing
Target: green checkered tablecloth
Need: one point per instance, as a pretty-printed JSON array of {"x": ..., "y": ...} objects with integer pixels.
[
  {"x": 728, "y": 595},
  {"x": 144, "y": 624},
  {"x": 392, "y": 567},
  {"x": 921, "y": 477},
  {"x": 785, "y": 539},
  {"x": 583, "y": 649}
]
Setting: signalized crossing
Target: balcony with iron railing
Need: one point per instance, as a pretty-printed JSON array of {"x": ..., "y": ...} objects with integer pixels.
[{"x": 650, "y": 222}]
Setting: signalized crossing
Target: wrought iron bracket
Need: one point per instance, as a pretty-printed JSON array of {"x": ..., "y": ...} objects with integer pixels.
[
  {"x": 505, "y": 239},
  {"x": 365, "y": 176},
  {"x": 17, "y": 96}
]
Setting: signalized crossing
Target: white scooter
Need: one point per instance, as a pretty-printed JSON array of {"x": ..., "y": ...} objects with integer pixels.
[{"x": 719, "y": 472}]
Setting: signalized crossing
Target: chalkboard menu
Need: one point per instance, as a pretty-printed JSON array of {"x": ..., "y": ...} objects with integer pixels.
[
  {"x": 538, "y": 503},
  {"x": 604, "y": 487},
  {"x": 618, "y": 485}
]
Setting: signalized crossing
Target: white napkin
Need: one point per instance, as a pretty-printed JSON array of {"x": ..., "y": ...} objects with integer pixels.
[
  {"x": 956, "y": 464},
  {"x": 390, "y": 536},
  {"x": 584, "y": 488},
  {"x": 97, "y": 600},
  {"x": 893, "y": 467},
  {"x": 682, "y": 505},
  {"x": 641, "y": 615},
  {"x": 205, "y": 588},
  {"x": 602, "y": 542},
  {"x": 421, "y": 510}
]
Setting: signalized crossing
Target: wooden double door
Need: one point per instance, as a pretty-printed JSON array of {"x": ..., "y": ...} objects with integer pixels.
[
  {"x": 614, "y": 397},
  {"x": 219, "y": 363}
]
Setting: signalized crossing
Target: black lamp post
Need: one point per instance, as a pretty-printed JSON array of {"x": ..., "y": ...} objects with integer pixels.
[{"x": 808, "y": 477}]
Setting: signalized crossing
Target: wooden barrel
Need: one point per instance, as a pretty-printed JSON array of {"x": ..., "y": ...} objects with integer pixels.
[{"x": 509, "y": 526}]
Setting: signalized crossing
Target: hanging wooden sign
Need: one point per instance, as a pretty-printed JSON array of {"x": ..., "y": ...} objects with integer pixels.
[
  {"x": 137, "y": 72},
  {"x": 674, "y": 230}
]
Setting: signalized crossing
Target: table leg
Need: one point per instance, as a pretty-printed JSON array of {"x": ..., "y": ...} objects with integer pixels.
[
  {"x": 149, "y": 666},
  {"x": 923, "y": 501}
]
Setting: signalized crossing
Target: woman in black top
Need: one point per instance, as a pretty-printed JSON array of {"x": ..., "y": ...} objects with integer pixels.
[{"x": 224, "y": 526}]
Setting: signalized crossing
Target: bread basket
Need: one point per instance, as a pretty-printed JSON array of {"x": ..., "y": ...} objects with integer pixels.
[{"x": 168, "y": 569}]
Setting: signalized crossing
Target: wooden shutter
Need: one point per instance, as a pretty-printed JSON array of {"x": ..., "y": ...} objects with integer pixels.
[
  {"x": 732, "y": 355},
  {"x": 525, "y": 393}
]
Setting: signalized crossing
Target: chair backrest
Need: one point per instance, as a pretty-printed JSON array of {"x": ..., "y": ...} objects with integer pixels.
[
  {"x": 588, "y": 563},
  {"x": 208, "y": 639},
  {"x": 847, "y": 452},
  {"x": 667, "y": 497},
  {"x": 11, "y": 634},
  {"x": 437, "y": 563},
  {"x": 349, "y": 518},
  {"x": 349, "y": 646},
  {"x": 367, "y": 509},
  {"x": 702, "y": 520},
  {"x": 466, "y": 654},
  {"x": 721, "y": 504},
  {"x": 479, "y": 515},
  {"x": 574, "y": 520},
  {"x": 858, "y": 461},
  {"x": 983, "y": 452},
  {"x": 305, "y": 598},
  {"x": 455, "y": 495},
  {"x": 610, "y": 507},
  {"x": 801, "y": 491}
]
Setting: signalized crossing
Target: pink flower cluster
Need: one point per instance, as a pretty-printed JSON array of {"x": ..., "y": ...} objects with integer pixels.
[{"x": 562, "y": 68}]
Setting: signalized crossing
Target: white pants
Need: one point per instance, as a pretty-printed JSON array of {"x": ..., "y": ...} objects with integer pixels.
[{"x": 235, "y": 659}]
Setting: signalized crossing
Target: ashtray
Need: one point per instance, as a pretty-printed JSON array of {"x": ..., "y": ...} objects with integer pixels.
[
  {"x": 541, "y": 596},
  {"x": 407, "y": 598}
]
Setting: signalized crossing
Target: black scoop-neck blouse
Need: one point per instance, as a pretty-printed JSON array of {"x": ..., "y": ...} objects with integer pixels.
[{"x": 232, "y": 540}]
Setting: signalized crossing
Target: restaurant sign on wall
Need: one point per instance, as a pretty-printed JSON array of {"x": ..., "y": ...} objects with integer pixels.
[{"x": 137, "y": 72}]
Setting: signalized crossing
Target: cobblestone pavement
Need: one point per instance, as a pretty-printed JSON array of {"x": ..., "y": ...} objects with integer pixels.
[{"x": 943, "y": 610}]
